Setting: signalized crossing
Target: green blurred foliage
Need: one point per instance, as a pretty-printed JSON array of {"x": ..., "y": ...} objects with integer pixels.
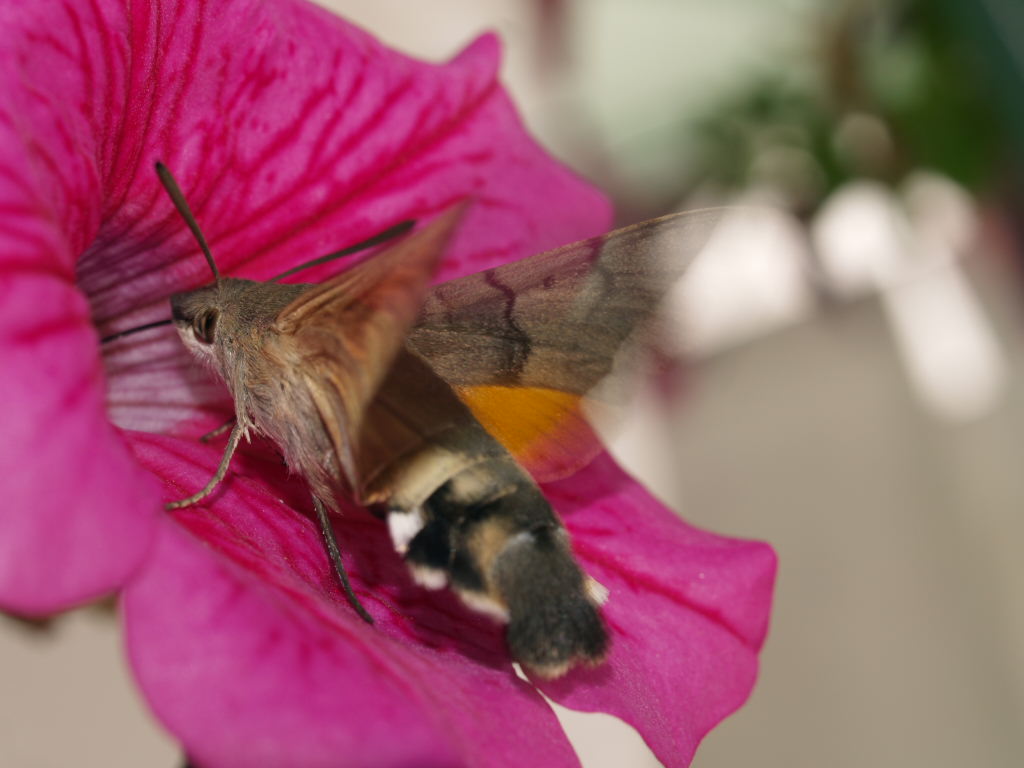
[{"x": 896, "y": 88}]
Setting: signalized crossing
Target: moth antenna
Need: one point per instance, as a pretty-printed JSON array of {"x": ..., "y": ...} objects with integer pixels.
[
  {"x": 136, "y": 329},
  {"x": 186, "y": 213},
  {"x": 391, "y": 232}
]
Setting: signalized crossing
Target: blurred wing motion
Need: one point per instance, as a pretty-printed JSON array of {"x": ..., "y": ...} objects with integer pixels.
[
  {"x": 524, "y": 344},
  {"x": 348, "y": 330},
  {"x": 430, "y": 419},
  {"x": 426, "y": 401}
]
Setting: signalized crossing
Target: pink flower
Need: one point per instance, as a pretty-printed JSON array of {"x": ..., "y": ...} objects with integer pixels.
[{"x": 293, "y": 133}]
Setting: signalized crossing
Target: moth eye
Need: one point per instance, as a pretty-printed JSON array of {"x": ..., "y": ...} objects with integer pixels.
[{"x": 203, "y": 326}]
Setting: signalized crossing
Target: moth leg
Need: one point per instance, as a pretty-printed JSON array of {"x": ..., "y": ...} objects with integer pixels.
[
  {"x": 218, "y": 431},
  {"x": 334, "y": 554},
  {"x": 222, "y": 469}
]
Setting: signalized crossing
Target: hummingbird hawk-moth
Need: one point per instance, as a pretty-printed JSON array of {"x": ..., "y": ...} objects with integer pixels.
[{"x": 443, "y": 406}]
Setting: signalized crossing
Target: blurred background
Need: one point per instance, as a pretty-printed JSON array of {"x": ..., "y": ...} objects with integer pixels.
[{"x": 853, "y": 390}]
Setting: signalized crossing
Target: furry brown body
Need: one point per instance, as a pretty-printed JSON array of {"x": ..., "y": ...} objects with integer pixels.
[
  {"x": 376, "y": 385},
  {"x": 469, "y": 515}
]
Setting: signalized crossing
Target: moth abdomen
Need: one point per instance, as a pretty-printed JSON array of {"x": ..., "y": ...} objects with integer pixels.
[
  {"x": 506, "y": 554},
  {"x": 553, "y": 620}
]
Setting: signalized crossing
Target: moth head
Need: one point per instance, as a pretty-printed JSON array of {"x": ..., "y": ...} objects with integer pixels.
[
  {"x": 197, "y": 315},
  {"x": 223, "y": 320}
]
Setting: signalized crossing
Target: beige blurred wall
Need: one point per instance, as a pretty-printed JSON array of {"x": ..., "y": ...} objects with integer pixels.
[
  {"x": 898, "y": 632},
  {"x": 68, "y": 701}
]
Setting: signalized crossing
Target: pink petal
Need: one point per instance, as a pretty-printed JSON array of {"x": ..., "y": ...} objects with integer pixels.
[
  {"x": 293, "y": 134},
  {"x": 77, "y": 512},
  {"x": 249, "y": 653},
  {"x": 688, "y": 612}
]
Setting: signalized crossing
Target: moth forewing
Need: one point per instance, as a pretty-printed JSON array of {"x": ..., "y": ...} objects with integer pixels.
[
  {"x": 341, "y": 336},
  {"x": 527, "y": 344}
]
